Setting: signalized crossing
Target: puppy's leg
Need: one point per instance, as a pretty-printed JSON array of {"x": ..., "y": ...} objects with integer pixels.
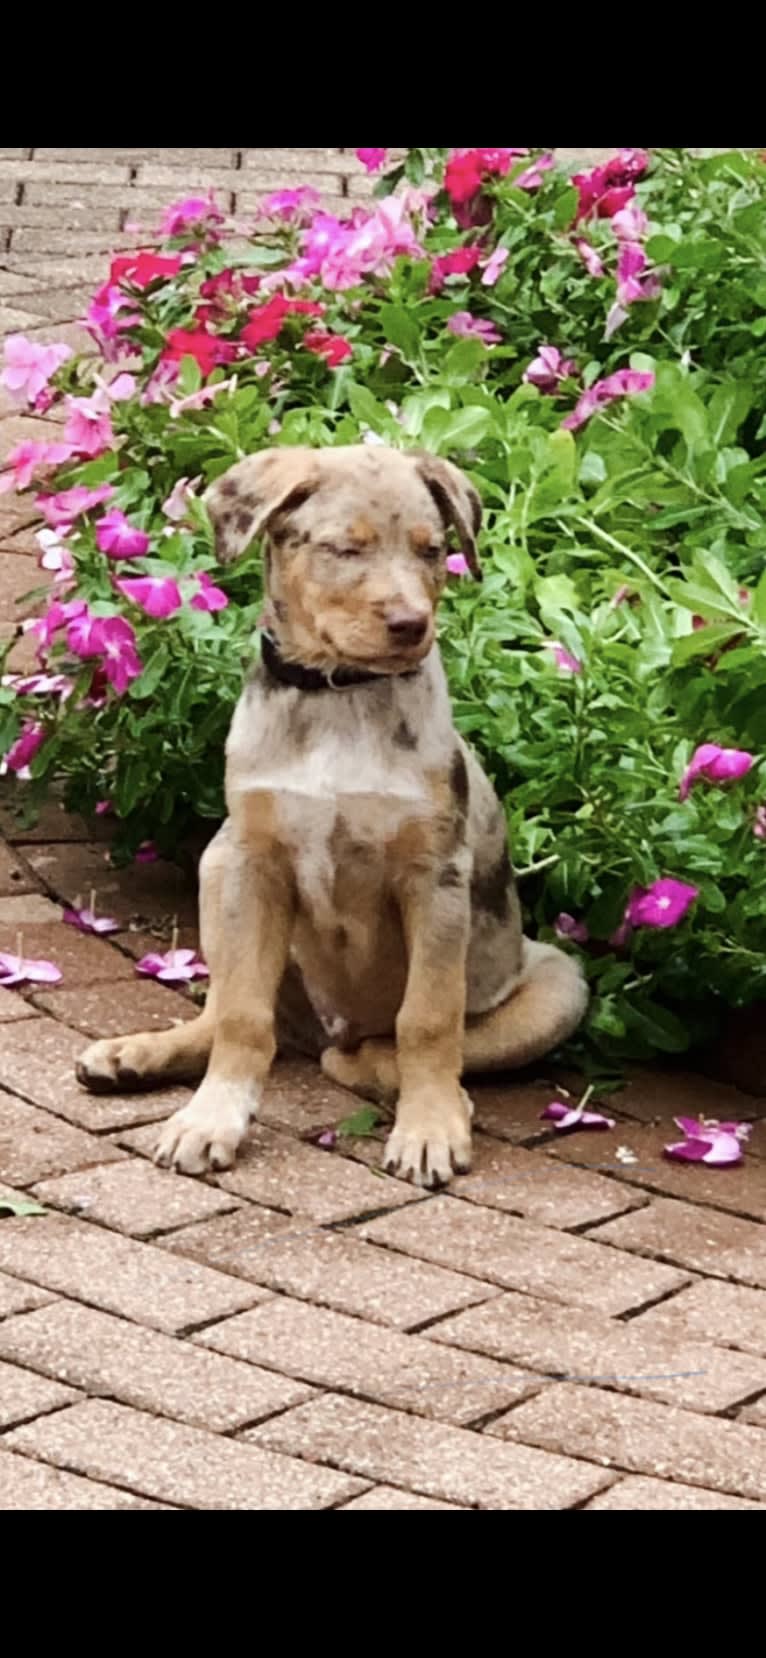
[
  {"x": 247, "y": 964},
  {"x": 432, "y": 1137},
  {"x": 147, "y": 1060}
]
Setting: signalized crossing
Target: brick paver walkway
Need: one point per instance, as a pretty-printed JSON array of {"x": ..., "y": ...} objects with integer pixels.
[{"x": 577, "y": 1324}]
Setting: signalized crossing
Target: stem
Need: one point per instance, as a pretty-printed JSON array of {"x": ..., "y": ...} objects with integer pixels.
[
  {"x": 534, "y": 869},
  {"x": 174, "y": 936},
  {"x": 20, "y": 945},
  {"x": 93, "y": 903},
  {"x": 627, "y": 552}
]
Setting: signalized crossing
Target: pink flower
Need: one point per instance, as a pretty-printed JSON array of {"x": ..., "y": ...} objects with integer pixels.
[
  {"x": 176, "y": 967},
  {"x": 473, "y": 328},
  {"x": 292, "y": 206},
  {"x": 663, "y": 904},
  {"x": 717, "y": 1144},
  {"x": 759, "y": 825},
  {"x": 87, "y": 921},
  {"x": 55, "y": 556},
  {"x": 372, "y": 160},
  {"x": 39, "y": 685},
  {"x": 119, "y": 539},
  {"x": 457, "y": 263},
  {"x": 457, "y": 564},
  {"x": 565, "y": 662},
  {"x": 117, "y": 644},
  {"x": 716, "y": 765},
  {"x": 104, "y": 321},
  {"x": 548, "y": 368},
  {"x": 565, "y": 926},
  {"x": 532, "y": 177},
  {"x": 83, "y": 638},
  {"x": 24, "y": 749},
  {"x": 61, "y": 511},
  {"x": 627, "y": 382},
  {"x": 147, "y": 853},
  {"x": 28, "y": 367},
  {"x": 89, "y": 424},
  {"x": 620, "y": 596},
  {"x": 177, "y": 504},
  {"x": 199, "y": 399},
  {"x": 368, "y": 244},
  {"x": 157, "y": 596},
  {"x": 209, "y": 597},
  {"x": 29, "y": 457},
  {"x": 493, "y": 267},
  {"x": 591, "y": 260},
  {"x": 104, "y": 808},
  {"x": 121, "y": 388},
  {"x": 194, "y": 219},
  {"x": 630, "y": 224},
  {"x": 567, "y": 1117},
  {"x": 19, "y": 970}
]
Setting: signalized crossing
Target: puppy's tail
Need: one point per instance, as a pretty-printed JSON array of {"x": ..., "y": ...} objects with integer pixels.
[{"x": 546, "y": 1006}]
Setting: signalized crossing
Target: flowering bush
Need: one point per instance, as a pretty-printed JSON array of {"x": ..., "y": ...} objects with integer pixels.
[{"x": 587, "y": 350}]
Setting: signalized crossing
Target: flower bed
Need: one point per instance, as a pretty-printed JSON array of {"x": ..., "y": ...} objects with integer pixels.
[{"x": 588, "y": 350}]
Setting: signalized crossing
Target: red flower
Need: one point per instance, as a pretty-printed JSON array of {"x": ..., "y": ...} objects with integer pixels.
[
  {"x": 462, "y": 177},
  {"x": 332, "y": 347},
  {"x": 457, "y": 263},
  {"x": 207, "y": 350},
  {"x": 265, "y": 322},
  {"x": 139, "y": 269}
]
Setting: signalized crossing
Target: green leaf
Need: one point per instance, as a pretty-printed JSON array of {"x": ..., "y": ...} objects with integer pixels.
[
  {"x": 364, "y": 406},
  {"x": 706, "y": 641},
  {"x": 401, "y": 330},
  {"x": 20, "y": 1206},
  {"x": 155, "y": 668},
  {"x": 361, "y": 1125},
  {"x": 566, "y": 207},
  {"x": 465, "y": 429},
  {"x": 189, "y": 376},
  {"x": 759, "y": 600}
]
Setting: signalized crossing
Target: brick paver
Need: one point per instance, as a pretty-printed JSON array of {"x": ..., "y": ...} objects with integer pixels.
[
  {"x": 176, "y": 1463},
  {"x": 141, "y": 1367},
  {"x": 429, "y": 1457},
  {"x": 332, "y": 1268},
  {"x": 212, "y": 1366},
  {"x": 405, "y": 1371}
]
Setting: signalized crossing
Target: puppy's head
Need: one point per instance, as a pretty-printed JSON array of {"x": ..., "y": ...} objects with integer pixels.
[{"x": 355, "y": 550}]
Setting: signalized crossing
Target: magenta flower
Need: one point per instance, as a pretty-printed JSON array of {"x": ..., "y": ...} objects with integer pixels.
[
  {"x": 208, "y": 596},
  {"x": 716, "y": 765},
  {"x": 19, "y": 969},
  {"x": 195, "y": 218},
  {"x": 565, "y": 926},
  {"x": 473, "y": 328},
  {"x": 663, "y": 904},
  {"x": 494, "y": 266},
  {"x": 565, "y": 661},
  {"x": 717, "y": 1144},
  {"x": 55, "y": 556},
  {"x": 759, "y": 824},
  {"x": 567, "y": 1117},
  {"x": 457, "y": 564},
  {"x": 86, "y": 920},
  {"x": 591, "y": 260},
  {"x": 175, "y": 967},
  {"x": 533, "y": 176},
  {"x": 627, "y": 382},
  {"x": 57, "y": 616},
  {"x": 372, "y": 160},
  {"x": 82, "y": 637},
  {"x": 119, "y": 539},
  {"x": 291, "y": 206},
  {"x": 104, "y": 808},
  {"x": 24, "y": 749},
  {"x": 89, "y": 424},
  {"x": 109, "y": 314},
  {"x": 116, "y": 641},
  {"x": 61, "y": 511},
  {"x": 147, "y": 853},
  {"x": 157, "y": 596},
  {"x": 39, "y": 685},
  {"x": 28, "y": 458},
  {"x": 28, "y": 367},
  {"x": 548, "y": 368}
]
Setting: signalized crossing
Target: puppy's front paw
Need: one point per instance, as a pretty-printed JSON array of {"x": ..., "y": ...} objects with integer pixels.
[
  {"x": 206, "y": 1134},
  {"x": 431, "y": 1140}
]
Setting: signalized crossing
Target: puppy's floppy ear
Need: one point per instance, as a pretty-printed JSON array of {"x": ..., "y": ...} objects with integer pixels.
[
  {"x": 458, "y": 502},
  {"x": 244, "y": 499}
]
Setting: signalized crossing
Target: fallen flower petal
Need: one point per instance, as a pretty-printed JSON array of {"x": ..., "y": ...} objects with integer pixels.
[
  {"x": 175, "y": 967},
  {"x": 568, "y": 1118},
  {"x": 86, "y": 921},
  {"x": 19, "y": 970},
  {"x": 717, "y": 1144}
]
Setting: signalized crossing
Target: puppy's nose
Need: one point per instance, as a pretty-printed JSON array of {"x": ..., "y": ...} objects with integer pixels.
[{"x": 407, "y": 627}]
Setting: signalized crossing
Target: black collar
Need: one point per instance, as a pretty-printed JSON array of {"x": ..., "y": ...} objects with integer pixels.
[{"x": 313, "y": 679}]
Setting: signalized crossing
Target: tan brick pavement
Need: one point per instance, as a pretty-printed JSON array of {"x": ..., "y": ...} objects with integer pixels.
[{"x": 563, "y": 1329}]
